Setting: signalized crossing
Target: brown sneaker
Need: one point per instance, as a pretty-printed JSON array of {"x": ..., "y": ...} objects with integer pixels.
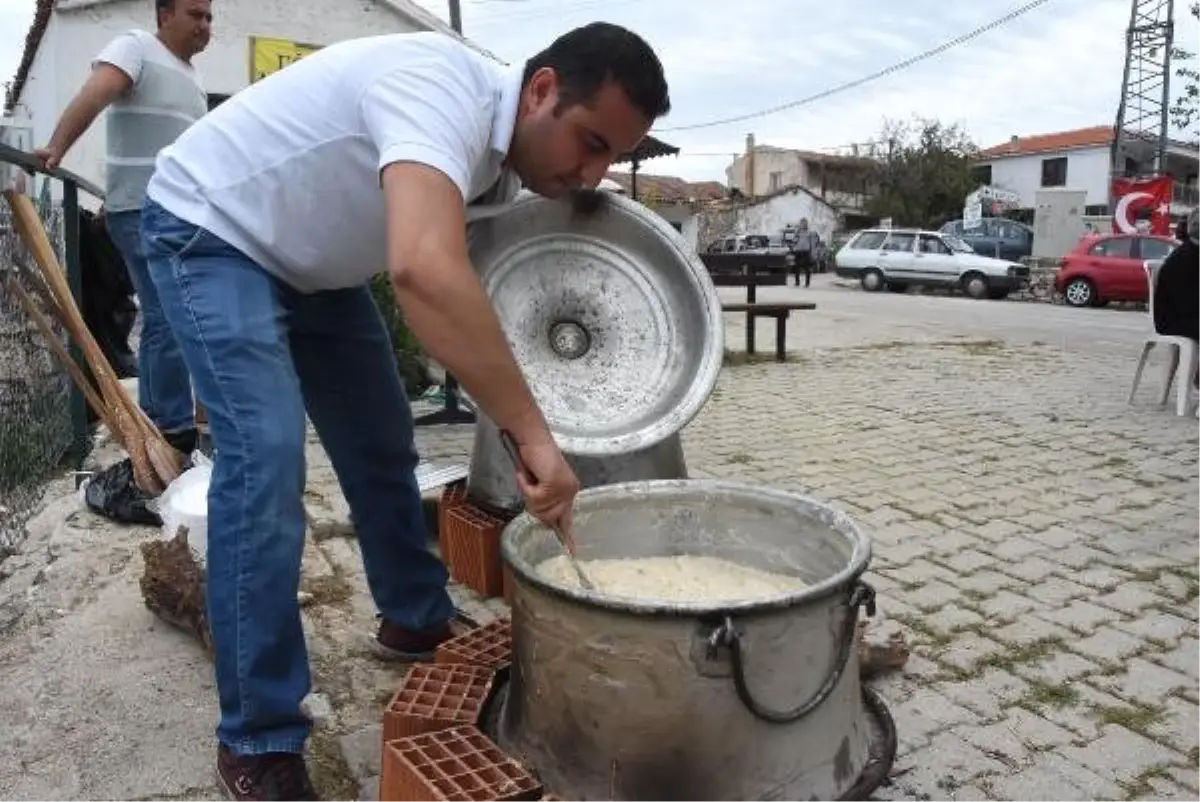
[
  {"x": 277, "y": 775},
  {"x": 394, "y": 642}
]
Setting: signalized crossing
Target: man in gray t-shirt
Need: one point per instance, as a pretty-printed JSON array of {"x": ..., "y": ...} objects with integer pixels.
[{"x": 150, "y": 88}]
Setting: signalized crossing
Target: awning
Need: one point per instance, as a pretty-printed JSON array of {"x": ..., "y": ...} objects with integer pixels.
[{"x": 648, "y": 148}]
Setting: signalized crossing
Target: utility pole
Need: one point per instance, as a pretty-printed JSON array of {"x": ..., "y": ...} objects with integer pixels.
[
  {"x": 456, "y": 15},
  {"x": 1142, "y": 116}
]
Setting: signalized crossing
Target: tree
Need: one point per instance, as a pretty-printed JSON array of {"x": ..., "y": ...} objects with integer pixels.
[
  {"x": 922, "y": 173},
  {"x": 1185, "y": 111}
]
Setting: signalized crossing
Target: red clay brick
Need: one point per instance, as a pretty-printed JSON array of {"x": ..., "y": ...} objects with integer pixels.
[
  {"x": 433, "y": 697},
  {"x": 460, "y": 763},
  {"x": 473, "y": 547},
  {"x": 489, "y": 646},
  {"x": 452, "y": 496}
]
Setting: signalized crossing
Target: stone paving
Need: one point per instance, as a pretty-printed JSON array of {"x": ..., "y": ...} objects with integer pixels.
[{"x": 1034, "y": 536}]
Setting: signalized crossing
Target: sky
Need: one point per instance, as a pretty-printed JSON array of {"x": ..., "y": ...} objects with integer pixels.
[{"x": 1056, "y": 67}]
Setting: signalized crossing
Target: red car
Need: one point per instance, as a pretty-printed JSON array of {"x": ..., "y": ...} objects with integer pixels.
[{"x": 1108, "y": 267}]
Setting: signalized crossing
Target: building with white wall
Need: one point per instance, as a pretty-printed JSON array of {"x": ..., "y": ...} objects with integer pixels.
[
  {"x": 843, "y": 181},
  {"x": 67, "y": 34},
  {"x": 1080, "y": 160},
  {"x": 768, "y": 215}
]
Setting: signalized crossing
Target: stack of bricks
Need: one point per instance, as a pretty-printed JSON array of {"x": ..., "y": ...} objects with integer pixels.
[{"x": 433, "y": 747}]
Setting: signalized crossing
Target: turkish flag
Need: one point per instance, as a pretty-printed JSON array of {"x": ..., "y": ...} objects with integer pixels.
[{"x": 1141, "y": 199}]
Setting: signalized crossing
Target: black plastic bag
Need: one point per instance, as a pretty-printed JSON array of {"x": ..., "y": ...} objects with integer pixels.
[{"x": 114, "y": 494}]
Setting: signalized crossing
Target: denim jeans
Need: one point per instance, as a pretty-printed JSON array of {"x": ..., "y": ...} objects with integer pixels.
[
  {"x": 261, "y": 354},
  {"x": 164, "y": 389}
]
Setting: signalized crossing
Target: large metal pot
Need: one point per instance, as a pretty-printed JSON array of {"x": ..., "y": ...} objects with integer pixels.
[
  {"x": 616, "y": 325},
  {"x": 614, "y": 698}
]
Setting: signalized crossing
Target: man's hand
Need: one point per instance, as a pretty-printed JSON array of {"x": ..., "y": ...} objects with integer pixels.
[
  {"x": 548, "y": 484},
  {"x": 49, "y": 157}
]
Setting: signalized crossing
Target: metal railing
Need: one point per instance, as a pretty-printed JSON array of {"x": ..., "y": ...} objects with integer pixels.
[{"x": 43, "y": 415}]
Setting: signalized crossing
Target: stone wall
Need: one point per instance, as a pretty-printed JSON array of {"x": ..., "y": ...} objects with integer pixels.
[{"x": 1041, "y": 287}]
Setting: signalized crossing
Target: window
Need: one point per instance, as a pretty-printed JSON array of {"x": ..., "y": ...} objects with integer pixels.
[
  {"x": 1113, "y": 247},
  {"x": 982, "y": 174},
  {"x": 867, "y": 241},
  {"x": 1006, "y": 229},
  {"x": 1054, "y": 172},
  {"x": 900, "y": 242},
  {"x": 1096, "y": 210},
  {"x": 775, "y": 182},
  {"x": 933, "y": 245},
  {"x": 1155, "y": 248}
]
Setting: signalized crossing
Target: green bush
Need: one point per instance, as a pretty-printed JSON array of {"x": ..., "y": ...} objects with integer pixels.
[{"x": 410, "y": 359}]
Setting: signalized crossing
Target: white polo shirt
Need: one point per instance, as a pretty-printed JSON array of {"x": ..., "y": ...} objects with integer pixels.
[{"x": 288, "y": 170}]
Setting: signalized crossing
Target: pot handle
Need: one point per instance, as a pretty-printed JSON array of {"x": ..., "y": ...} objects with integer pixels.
[{"x": 727, "y": 635}]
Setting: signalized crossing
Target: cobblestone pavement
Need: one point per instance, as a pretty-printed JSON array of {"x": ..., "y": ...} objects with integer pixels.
[{"x": 1035, "y": 537}]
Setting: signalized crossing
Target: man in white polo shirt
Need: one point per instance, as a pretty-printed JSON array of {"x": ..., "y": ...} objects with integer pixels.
[
  {"x": 263, "y": 224},
  {"x": 152, "y": 93}
]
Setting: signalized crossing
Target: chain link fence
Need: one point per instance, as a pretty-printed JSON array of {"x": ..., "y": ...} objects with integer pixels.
[{"x": 36, "y": 427}]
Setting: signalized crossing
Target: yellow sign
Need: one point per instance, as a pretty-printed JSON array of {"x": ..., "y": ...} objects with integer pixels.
[{"x": 271, "y": 55}]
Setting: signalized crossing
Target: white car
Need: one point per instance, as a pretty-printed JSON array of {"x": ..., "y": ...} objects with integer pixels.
[{"x": 882, "y": 258}]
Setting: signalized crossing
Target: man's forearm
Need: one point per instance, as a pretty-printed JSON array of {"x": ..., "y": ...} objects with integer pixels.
[
  {"x": 450, "y": 314},
  {"x": 79, "y": 115}
]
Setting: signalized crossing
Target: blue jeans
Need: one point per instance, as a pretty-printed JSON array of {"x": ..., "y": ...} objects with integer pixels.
[
  {"x": 261, "y": 354},
  {"x": 164, "y": 389}
]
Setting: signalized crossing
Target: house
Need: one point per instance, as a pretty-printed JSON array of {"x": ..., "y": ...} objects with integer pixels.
[
  {"x": 675, "y": 200},
  {"x": 653, "y": 189},
  {"x": 769, "y": 215},
  {"x": 66, "y": 34},
  {"x": 1080, "y": 160},
  {"x": 843, "y": 181}
]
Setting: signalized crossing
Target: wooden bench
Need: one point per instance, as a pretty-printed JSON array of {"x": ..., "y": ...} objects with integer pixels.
[
  {"x": 753, "y": 271},
  {"x": 779, "y": 311}
]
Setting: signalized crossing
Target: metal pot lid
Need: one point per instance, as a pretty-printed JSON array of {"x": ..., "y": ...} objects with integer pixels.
[{"x": 615, "y": 323}]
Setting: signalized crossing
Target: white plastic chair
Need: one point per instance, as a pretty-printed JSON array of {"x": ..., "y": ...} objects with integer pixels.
[{"x": 1181, "y": 371}]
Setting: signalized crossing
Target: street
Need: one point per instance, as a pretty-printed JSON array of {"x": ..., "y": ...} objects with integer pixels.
[{"x": 846, "y": 314}]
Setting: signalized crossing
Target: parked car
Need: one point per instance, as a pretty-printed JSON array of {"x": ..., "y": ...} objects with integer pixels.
[
  {"x": 895, "y": 258},
  {"x": 994, "y": 236},
  {"x": 750, "y": 243},
  {"x": 1108, "y": 267}
]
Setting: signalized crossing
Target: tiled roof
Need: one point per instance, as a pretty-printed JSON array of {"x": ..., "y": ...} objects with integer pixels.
[
  {"x": 670, "y": 189},
  {"x": 1096, "y": 136},
  {"x": 812, "y": 156},
  {"x": 42, "y": 11}
]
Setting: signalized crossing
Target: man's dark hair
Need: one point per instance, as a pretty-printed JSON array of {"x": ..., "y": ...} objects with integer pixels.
[{"x": 587, "y": 58}]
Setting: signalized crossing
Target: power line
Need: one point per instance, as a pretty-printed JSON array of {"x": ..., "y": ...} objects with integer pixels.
[
  {"x": 829, "y": 150},
  {"x": 966, "y": 37}
]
